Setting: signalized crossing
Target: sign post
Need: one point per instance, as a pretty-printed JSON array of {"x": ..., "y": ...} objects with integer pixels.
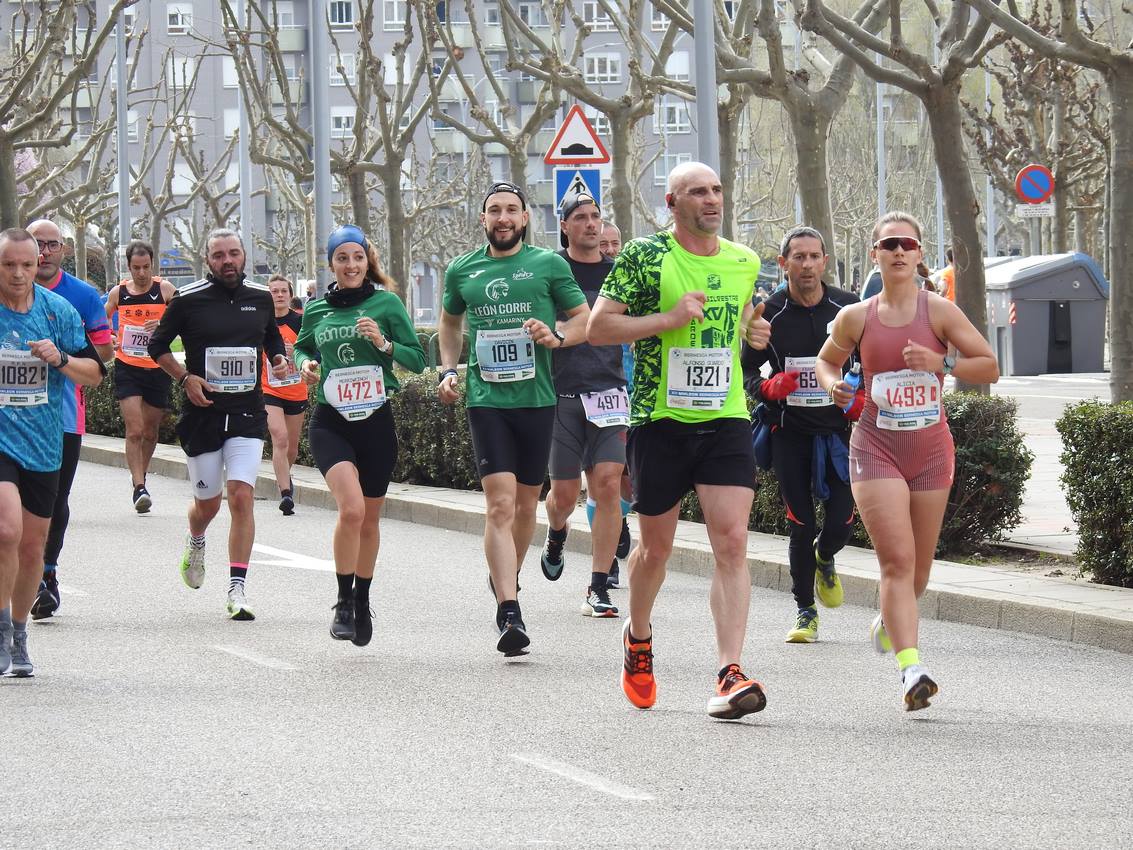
[
  {"x": 577, "y": 153},
  {"x": 1034, "y": 185}
]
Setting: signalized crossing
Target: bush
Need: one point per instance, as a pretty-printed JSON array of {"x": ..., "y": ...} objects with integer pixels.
[
  {"x": 1097, "y": 441},
  {"x": 435, "y": 446}
]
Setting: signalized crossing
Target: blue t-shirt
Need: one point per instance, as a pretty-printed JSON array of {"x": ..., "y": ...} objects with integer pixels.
[
  {"x": 33, "y": 435},
  {"x": 84, "y": 298}
]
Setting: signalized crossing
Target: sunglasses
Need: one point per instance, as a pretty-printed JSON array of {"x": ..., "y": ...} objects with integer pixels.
[{"x": 892, "y": 243}]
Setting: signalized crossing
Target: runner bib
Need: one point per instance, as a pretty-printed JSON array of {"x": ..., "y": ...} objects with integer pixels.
[
  {"x": 290, "y": 379},
  {"x": 808, "y": 393},
  {"x": 356, "y": 391},
  {"x": 699, "y": 378},
  {"x": 135, "y": 341},
  {"x": 231, "y": 370},
  {"x": 906, "y": 400},
  {"x": 606, "y": 408},
  {"x": 505, "y": 355},
  {"x": 23, "y": 379}
]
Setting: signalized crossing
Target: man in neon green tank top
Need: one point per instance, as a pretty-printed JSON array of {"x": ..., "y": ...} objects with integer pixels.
[{"x": 684, "y": 297}]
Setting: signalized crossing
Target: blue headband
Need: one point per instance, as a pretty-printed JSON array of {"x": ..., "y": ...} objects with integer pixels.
[{"x": 344, "y": 234}]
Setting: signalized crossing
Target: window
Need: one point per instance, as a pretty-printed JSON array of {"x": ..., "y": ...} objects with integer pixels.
[
  {"x": 453, "y": 15},
  {"x": 285, "y": 14},
  {"x": 179, "y": 71},
  {"x": 600, "y": 121},
  {"x": 293, "y": 66},
  {"x": 231, "y": 122},
  {"x": 393, "y": 14},
  {"x": 671, "y": 117},
  {"x": 594, "y": 15},
  {"x": 492, "y": 107},
  {"x": 341, "y": 13},
  {"x": 676, "y": 66},
  {"x": 183, "y": 180},
  {"x": 602, "y": 68},
  {"x": 492, "y": 13},
  {"x": 349, "y": 72},
  {"x": 446, "y": 107},
  {"x": 178, "y": 18},
  {"x": 128, "y": 18},
  {"x": 659, "y": 20},
  {"x": 230, "y": 79},
  {"x": 730, "y": 10},
  {"x": 341, "y": 122},
  {"x": 665, "y": 163},
  {"x": 133, "y": 126},
  {"x": 532, "y": 14}
]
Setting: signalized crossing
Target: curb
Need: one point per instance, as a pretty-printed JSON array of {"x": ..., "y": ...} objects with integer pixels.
[{"x": 1061, "y": 609}]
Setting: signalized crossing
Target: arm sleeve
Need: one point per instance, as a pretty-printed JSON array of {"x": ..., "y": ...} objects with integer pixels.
[
  {"x": 407, "y": 350},
  {"x": 168, "y": 329}
]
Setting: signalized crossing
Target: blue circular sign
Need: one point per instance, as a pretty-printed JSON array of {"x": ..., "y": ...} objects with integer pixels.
[{"x": 1034, "y": 184}]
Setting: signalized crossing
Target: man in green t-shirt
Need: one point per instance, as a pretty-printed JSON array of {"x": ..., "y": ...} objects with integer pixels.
[
  {"x": 509, "y": 293},
  {"x": 685, "y": 298}
]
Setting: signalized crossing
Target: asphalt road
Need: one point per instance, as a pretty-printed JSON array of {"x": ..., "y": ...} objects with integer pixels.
[{"x": 154, "y": 721}]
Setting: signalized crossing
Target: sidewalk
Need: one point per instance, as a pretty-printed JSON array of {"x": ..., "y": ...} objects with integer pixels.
[
  {"x": 1060, "y": 608},
  {"x": 1047, "y": 525}
]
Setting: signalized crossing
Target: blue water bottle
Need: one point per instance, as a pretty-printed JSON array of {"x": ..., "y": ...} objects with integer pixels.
[{"x": 852, "y": 379}]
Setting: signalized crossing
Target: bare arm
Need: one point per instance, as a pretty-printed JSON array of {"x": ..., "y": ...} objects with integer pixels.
[
  {"x": 112, "y": 303},
  {"x": 609, "y": 324},
  {"x": 450, "y": 340},
  {"x": 573, "y": 329},
  {"x": 836, "y": 351}
]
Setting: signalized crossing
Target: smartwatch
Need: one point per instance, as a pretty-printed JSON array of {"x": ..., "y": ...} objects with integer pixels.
[
  {"x": 949, "y": 364},
  {"x": 562, "y": 339},
  {"x": 64, "y": 359},
  {"x": 387, "y": 347}
]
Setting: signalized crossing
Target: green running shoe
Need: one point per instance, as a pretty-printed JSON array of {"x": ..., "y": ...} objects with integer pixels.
[
  {"x": 806, "y": 627},
  {"x": 193, "y": 566},
  {"x": 827, "y": 585},
  {"x": 878, "y": 637}
]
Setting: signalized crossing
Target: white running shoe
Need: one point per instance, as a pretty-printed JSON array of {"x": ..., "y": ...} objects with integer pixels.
[
  {"x": 237, "y": 605},
  {"x": 193, "y": 566},
  {"x": 877, "y": 636},
  {"x": 919, "y": 687}
]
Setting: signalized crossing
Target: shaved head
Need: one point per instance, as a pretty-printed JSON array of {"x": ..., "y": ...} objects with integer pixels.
[
  {"x": 687, "y": 172},
  {"x": 46, "y": 230}
]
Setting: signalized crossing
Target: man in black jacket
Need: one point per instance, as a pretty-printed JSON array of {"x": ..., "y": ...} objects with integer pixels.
[
  {"x": 810, "y": 435},
  {"x": 226, "y": 324}
]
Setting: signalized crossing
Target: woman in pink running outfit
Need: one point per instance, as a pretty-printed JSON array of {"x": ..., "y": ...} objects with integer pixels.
[{"x": 901, "y": 452}]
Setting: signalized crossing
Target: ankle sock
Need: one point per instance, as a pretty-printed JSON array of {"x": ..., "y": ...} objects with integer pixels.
[
  {"x": 19, "y": 628},
  {"x": 284, "y": 494},
  {"x": 362, "y": 589},
  {"x": 345, "y": 584},
  {"x": 5, "y": 618},
  {"x": 196, "y": 542},
  {"x": 48, "y": 569},
  {"x": 598, "y": 580},
  {"x": 908, "y": 657},
  {"x": 237, "y": 573},
  {"x": 625, "y": 507},
  {"x": 591, "y": 507}
]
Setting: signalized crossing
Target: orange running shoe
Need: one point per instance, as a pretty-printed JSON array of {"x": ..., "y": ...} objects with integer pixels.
[
  {"x": 637, "y": 670},
  {"x": 736, "y": 695}
]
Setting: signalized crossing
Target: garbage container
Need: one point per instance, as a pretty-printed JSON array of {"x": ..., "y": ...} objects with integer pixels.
[{"x": 1046, "y": 314}]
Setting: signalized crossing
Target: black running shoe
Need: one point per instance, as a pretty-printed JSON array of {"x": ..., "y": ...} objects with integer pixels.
[
  {"x": 363, "y": 622},
  {"x": 142, "y": 499},
  {"x": 625, "y": 541},
  {"x": 552, "y": 560},
  {"x": 513, "y": 635},
  {"x": 614, "y": 576},
  {"x": 342, "y": 627},
  {"x": 287, "y": 505},
  {"x": 47, "y": 599}
]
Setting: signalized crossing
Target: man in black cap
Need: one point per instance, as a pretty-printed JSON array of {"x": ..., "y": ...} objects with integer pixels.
[{"x": 590, "y": 420}]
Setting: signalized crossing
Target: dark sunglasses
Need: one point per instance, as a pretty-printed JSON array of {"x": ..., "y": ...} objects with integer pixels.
[{"x": 892, "y": 243}]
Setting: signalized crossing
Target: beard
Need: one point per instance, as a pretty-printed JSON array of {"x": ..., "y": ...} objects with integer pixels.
[
  {"x": 504, "y": 243},
  {"x": 227, "y": 273}
]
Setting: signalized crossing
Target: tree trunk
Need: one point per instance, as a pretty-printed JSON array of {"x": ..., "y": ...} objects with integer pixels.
[
  {"x": 81, "y": 249},
  {"x": 9, "y": 197},
  {"x": 397, "y": 262},
  {"x": 942, "y": 106},
  {"x": 810, "y": 127},
  {"x": 1120, "y": 86},
  {"x": 727, "y": 123},
  {"x": 1060, "y": 225},
  {"x": 517, "y": 167},
  {"x": 359, "y": 199},
  {"x": 621, "y": 186}
]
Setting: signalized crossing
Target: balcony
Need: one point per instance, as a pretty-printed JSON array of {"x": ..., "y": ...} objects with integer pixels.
[
  {"x": 492, "y": 37},
  {"x": 449, "y": 141},
  {"x": 541, "y": 142},
  {"x": 292, "y": 39},
  {"x": 294, "y": 91}
]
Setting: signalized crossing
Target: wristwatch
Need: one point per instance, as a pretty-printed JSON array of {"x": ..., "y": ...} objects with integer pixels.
[
  {"x": 562, "y": 339},
  {"x": 387, "y": 347},
  {"x": 63, "y": 359},
  {"x": 949, "y": 364}
]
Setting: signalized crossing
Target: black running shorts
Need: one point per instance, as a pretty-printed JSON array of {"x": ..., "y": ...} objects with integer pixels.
[
  {"x": 37, "y": 489},
  {"x": 153, "y": 385},
  {"x": 291, "y": 407},
  {"x": 370, "y": 444},
  {"x": 515, "y": 440}
]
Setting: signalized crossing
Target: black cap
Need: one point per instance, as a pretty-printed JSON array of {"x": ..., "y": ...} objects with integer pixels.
[
  {"x": 504, "y": 186},
  {"x": 570, "y": 204}
]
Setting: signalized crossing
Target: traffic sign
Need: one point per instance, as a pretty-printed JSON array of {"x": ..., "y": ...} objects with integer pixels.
[
  {"x": 574, "y": 181},
  {"x": 1034, "y": 184},
  {"x": 1034, "y": 210},
  {"x": 576, "y": 143}
]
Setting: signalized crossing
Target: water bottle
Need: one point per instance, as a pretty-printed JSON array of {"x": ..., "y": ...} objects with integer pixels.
[{"x": 852, "y": 379}]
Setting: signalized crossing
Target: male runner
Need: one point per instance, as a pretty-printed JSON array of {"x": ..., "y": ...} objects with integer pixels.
[
  {"x": 510, "y": 293},
  {"x": 226, "y": 323},
  {"x": 140, "y": 385},
  {"x": 685, "y": 297},
  {"x": 810, "y": 436},
  {"x": 610, "y": 244},
  {"x": 86, "y": 301},
  {"x": 43, "y": 345}
]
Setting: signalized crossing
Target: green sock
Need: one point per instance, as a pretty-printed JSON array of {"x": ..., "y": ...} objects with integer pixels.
[{"x": 908, "y": 657}]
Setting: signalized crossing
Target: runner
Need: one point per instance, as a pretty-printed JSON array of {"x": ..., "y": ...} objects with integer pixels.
[
  {"x": 901, "y": 452},
  {"x": 610, "y": 244},
  {"x": 226, "y": 323},
  {"x": 286, "y": 398},
  {"x": 140, "y": 386},
  {"x": 511, "y": 292},
  {"x": 685, "y": 296},
  {"x": 85, "y": 299},
  {"x": 358, "y": 331},
  {"x": 43, "y": 345},
  {"x": 809, "y": 436},
  {"x": 590, "y": 422}
]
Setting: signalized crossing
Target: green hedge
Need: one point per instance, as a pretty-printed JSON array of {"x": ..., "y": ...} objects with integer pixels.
[{"x": 1097, "y": 456}]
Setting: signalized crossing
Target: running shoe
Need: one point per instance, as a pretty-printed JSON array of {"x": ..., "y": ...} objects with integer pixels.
[
  {"x": 237, "y": 605},
  {"x": 47, "y": 598},
  {"x": 552, "y": 559},
  {"x": 598, "y": 604},
  {"x": 5, "y": 650},
  {"x": 827, "y": 585},
  {"x": 513, "y": 634},
  {"x": 287, "y": 505},
  {"x": 878, "y": 637},
  {"x": 806, "y": 627},
  {"x": 21, "y": 666},
  {"x": 624, "y": 542},
  {"x": 736, "y": 695},
  {"x": 193, "y": 566},
  {"x": 918, "y": 685},
  {"x": 363, "y": 622},
  {"x": 342, "y": 626},
  {"x": 638, "y": 683},
  {"x": 613, "y": 579},
  {"x": 142, "y": 499}
]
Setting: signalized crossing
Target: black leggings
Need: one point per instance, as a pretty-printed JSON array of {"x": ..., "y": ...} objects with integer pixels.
[
  {"x": 791, "y": 457},
  {"x": 61, "y": 516}
]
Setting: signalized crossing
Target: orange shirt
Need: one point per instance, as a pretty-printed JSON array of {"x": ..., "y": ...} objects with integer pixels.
[
  {"x": 292, "y": 387},
  {"x": 948, "y": 283},
  {"x": 133, "y": 312}
]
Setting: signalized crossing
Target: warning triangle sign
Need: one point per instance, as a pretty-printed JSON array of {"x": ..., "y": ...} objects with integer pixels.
[{"x": 576, "y": 143}]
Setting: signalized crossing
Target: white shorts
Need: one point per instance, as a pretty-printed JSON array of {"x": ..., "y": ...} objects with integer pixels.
[{"x": 239, "y": 456}]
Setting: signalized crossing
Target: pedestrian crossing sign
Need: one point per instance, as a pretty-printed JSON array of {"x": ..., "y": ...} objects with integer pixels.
[{"x": 577, "y": 181}]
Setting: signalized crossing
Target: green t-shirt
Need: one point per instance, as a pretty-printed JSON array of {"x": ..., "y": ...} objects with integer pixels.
[
  {"x": 692, "y": 373},
  {"x": 505, "y": 368},
  {"x": 328, "y": 334}
]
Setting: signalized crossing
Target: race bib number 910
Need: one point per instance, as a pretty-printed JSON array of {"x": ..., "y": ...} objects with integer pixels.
[{"x": 231, "y": 370}]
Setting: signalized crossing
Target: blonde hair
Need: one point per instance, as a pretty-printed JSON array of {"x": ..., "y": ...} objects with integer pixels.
[
  {"x": 896, "y": 216},
  {"x": 377, "y": 273}
]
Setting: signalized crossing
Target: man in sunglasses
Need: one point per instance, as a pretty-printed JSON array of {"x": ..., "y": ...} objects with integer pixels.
[
  {"x": 685, "y": 296},
  {"x": 86, "y": 300},
  {"x": 809, "y": 436},
  {"x": 509, "y": 293}
]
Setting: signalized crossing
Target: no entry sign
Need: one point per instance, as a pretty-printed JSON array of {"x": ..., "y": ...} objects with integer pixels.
[{"x": 1034, "y": 184}]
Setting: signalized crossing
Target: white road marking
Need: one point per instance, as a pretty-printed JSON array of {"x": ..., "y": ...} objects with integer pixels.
[
  {"x": 283, "y": 558},
  {"x": 255, "y": 657},
  {"x": 1054, "y": 397},
  {"x": 582, "y": 777}
]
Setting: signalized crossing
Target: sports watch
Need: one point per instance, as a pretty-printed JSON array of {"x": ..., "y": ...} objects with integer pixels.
[{"x": 949, "y": 364}]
